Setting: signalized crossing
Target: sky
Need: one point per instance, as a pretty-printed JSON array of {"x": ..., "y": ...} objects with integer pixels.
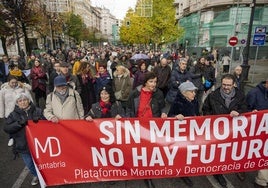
[{"x": 118, "y": 8}]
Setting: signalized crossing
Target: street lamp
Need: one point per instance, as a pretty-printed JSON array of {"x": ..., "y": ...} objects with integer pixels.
[{"x": 245, "y": 66}]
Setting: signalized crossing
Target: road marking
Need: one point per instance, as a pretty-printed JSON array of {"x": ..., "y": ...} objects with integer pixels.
[
  {"x": 21, "y": 178},
  {"x": 215, "y": 183}
]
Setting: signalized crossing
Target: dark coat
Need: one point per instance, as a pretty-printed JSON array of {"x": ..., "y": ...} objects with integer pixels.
[
  {"x": 209, "y": 75},
  {"x": 177, "y": 77},
  {"x": 157, "y": 103},
  {"x": 116, "y": 109},
  {"x": 257, "y": 98},
  {"x": 239, "y": 82},
  {"x": 182, "y": 106},
  {"x": 103, "y": 80},
  {"x": 163, "y": 75},
  {"x": 215, "y": 104},
  {"x": 88, "y": 95},
  {"x": 23, "y": 78},
  {"x": 16, "y": 130},
  {"x": 52, "y": 76},
  {"x": 197, "y": 74},
  {"x": 139, "y": 78},
  {"x": 3, "y": 77}
]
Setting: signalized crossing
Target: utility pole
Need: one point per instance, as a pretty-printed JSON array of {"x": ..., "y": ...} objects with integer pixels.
[{"x": 245, "y": 66}]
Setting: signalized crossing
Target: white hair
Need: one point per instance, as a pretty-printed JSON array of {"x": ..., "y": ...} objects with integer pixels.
[{"x": 23, "y": 96}]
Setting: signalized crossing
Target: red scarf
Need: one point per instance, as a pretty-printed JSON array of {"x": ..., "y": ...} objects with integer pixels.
[
  {"x": 144, "y": 109},
  {"x": 105, "y": 108}
]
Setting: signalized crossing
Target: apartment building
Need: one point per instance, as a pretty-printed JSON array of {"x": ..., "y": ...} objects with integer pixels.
[{"x": 211, "y": 23}]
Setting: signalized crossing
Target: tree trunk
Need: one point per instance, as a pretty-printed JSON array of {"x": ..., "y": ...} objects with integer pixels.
[
  {"x": 3, "y": 39},
  {"x": 26, "y": 39}
]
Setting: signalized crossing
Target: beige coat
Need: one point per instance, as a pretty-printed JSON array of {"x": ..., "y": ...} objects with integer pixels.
[
  {"x": 122, "y": 83},
  {"x": 72, "y": 107},
  {"x": 8, "y": 97}
]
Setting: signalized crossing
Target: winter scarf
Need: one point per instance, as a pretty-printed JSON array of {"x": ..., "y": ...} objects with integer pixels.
[
  {"x": 17, "y": 73},
  {"x": 227, "y": 97},
  {"x": 105, "y": 108}
]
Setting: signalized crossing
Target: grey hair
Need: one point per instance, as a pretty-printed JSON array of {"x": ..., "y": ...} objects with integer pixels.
[
  {"x": 23, "y": 96},
  {"x": 183, "y": 60}
]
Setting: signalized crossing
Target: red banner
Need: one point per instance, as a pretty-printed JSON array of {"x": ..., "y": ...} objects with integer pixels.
[{"x": 77, "y": 151}]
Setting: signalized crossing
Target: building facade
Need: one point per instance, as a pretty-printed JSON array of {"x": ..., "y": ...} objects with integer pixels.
[
  {"x": 96, "y": 19},
  {"x": 210, "y": 24}
]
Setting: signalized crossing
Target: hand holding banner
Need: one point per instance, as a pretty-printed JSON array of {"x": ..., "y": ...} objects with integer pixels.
[{"x": 76, "y": 151}]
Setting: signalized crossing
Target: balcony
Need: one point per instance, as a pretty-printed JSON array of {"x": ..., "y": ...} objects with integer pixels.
[{"x": 194, "y": 6}]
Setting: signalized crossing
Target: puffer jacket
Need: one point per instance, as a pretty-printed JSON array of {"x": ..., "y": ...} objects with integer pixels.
[
  {"x": 116, "y": 109},
  {"x": 215, "y": 104},
  {"x": 183, "y": 106},
  {"x": 257, "y": 98},
  {"x": 72, "y": 107},
  {"x": 157, "y": 103},
  {"x": 8, "y": 95},
  {"x": 177, "y": 77},
  {"x": 16, "y": 130},
  {"x": 197, "y": 73}
]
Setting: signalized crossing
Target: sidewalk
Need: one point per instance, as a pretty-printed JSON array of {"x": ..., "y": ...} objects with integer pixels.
[{"x": 258, "y": 72}]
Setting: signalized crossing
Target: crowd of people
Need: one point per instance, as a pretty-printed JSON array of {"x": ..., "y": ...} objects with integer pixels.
[{"x": 104, "y": 83}]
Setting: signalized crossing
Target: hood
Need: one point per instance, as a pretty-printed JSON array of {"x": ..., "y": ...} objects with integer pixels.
[
  {"x": 126, "y": 73},
  {"x": 5, "y": 86},
  {"x": 261, "y": 86},
  {"x": 263, "y": 89}
]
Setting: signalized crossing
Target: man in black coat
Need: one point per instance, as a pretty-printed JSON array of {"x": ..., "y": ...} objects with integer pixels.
[{"x": 226, "y": 99}]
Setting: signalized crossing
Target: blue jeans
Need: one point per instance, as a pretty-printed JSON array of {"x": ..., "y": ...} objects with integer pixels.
[{"x": 28, "y": 161}]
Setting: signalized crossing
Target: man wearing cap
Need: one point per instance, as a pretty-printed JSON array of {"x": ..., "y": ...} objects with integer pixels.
[
  {"x": 70, "y": 78},
  {"x": 185, "y": 104},
  {"x": 226, "y": 99},
  {"x": 63, "y": 103}
]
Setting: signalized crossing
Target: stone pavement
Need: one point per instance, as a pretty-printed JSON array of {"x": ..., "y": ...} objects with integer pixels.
[{"x": 257, "y": 72}]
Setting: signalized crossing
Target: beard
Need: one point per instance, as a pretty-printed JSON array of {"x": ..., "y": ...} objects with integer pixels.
[{"x": 62, "y": 92}]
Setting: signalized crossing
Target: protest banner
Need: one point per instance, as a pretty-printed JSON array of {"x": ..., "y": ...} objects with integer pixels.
[{"x": 77, "y": 151}]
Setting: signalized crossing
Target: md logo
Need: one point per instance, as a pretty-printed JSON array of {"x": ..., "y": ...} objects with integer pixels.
[{"x": 50, "y": 146}]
